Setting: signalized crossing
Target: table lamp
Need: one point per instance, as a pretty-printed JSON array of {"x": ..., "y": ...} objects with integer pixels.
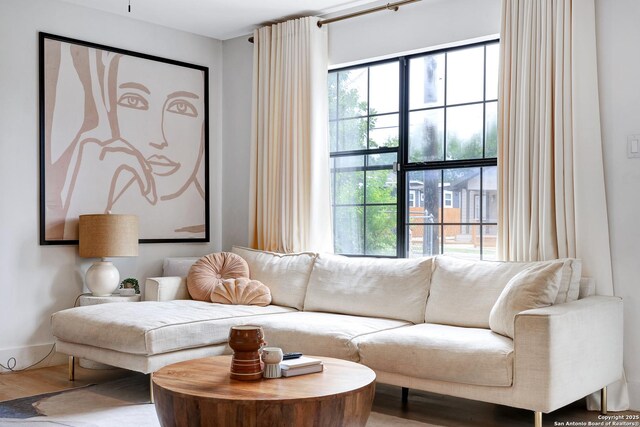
[{"x": 103, "y": 236}]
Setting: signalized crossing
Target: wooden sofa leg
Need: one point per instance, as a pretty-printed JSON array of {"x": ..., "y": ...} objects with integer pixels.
[
  {"x": 405, "y": 395},
  {"x": 151, "y": 388},
  {"x": 72, "y": 368},
  {"x": 603, "y": 401},
  {"x": 537, "y": 419}
]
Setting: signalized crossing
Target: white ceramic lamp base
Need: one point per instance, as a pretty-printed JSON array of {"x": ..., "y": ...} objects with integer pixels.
[{"x": 102, "y": 278}]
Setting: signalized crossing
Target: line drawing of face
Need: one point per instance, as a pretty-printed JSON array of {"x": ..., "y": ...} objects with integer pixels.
[
  {"x": 122, "y": 132},
  {"x": 160, "y": 112}
]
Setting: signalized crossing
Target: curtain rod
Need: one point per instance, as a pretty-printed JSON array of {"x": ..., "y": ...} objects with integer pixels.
[{"x": 389, "y": 6}]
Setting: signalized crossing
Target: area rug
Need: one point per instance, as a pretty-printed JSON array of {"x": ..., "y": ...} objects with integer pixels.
[{"x": 119, "y": 403}]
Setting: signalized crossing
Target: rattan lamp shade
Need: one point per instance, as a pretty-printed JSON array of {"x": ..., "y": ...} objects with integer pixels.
[{"x": 108, "y": 235}]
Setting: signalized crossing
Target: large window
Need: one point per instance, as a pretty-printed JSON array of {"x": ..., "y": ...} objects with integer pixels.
[{"x": 413, "y": 154}]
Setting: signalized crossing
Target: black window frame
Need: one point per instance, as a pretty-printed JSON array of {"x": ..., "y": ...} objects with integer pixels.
[{"x": 404, "y": 167}]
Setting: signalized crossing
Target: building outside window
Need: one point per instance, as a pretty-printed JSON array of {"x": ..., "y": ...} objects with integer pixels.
[{"x": 414, "y": 154}]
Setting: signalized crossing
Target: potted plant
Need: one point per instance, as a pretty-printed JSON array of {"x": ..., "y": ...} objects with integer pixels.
[{"x": 129, "y": 286}]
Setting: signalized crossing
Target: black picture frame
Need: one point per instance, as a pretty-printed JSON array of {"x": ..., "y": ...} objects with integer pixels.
[{"x": 69, "y": 67}]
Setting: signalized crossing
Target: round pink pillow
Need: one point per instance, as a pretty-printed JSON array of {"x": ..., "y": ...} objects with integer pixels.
[{"x": 213, "y": 269}]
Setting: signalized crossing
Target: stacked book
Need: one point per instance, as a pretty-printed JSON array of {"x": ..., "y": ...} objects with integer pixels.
[{"x": 300, "y": 366}]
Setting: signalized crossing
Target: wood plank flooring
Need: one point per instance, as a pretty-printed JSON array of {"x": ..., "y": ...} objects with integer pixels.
[
  {"x": 425, "y": 407},
  {"x": 14, "y": 385}
]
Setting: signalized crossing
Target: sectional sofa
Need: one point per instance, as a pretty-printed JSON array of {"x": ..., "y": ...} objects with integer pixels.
[{"x": 436, "y": 324}]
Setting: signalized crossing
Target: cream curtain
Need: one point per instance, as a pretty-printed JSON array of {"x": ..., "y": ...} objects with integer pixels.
[
  {"x": 290, "y": 205},
  {"x": 552, "y": 200}
]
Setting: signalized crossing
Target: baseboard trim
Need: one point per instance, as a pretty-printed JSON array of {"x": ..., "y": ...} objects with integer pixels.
[
  {"x": 634, "y": 395},
  {"x": 28, "y": 355}
]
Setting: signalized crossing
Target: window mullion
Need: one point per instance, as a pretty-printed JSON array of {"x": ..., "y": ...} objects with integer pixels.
[
  {"x": 445, "y": 108},
  {"x": 365, "y": 162},
  {"x": 402, "y": 159},
  {"x": 441, "y": 213},
  {"x": 481, "y": 212},
  {"x": 484, "y": 108}
]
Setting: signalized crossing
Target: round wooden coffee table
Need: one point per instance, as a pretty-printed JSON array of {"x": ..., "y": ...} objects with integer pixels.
[{"x": 200, "y": 393}]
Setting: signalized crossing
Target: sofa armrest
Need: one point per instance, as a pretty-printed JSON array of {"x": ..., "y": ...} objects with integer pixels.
[
  {"x": 567, "y": 351},
  {"x": 165, "y": 289}
]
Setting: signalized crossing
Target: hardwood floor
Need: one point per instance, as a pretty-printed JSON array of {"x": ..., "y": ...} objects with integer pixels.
[
  {"x": 456, "y": 412},
  {"x": 425, "y": 407},
  {"x": 14, "y": 385}
]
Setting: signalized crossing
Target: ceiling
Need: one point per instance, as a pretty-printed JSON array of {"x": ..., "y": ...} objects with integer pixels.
[{"x": 219, "y": 19}]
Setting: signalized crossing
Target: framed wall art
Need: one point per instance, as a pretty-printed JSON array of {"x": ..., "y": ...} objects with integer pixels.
[{"x": 126, "y": 133}]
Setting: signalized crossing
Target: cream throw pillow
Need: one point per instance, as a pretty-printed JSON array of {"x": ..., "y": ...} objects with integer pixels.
[{"x": 535, "y": 287}]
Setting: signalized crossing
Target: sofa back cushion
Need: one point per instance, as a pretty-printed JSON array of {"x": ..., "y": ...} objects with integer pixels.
[
  {"x": 376, "y": 287},
  {"x": 178, "y": 266},
  {"x": 463, "y": 291},
  {"x": 587, "y": 287},
  {"x": 286, "y": 275}
]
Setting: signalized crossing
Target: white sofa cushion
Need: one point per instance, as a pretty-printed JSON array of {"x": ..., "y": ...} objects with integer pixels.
[
  {"x": 463, "y": 291},
  {"x": 166, "y": 288},
  {"x": 286, "y": 275},
  {"x": 440, "y": 352},
  {"x": 534, "y": 287},
  {"x": 154, "y": 327},
  {"x": 177, "y": 266},
  {"x": 587, "y": 287},
  {"x": 321, "y": 334},
  {"x": 570, "y": 289},
  {"x": 376, "y": 287}
]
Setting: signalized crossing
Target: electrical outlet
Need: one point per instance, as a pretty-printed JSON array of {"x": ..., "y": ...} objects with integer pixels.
[{"x": 633, "y": 146}]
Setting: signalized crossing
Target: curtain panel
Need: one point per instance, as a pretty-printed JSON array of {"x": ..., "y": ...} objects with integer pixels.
[
  {"x": 552, "y": 200},
  {"x": 290, "y": 203}
]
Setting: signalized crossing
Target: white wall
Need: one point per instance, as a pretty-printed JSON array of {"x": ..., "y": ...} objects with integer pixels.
[
  {"x": 415, "y": 26},
  {"x": 39, "y": 280},
  {"x": 236, "y": 135},
  {"x": 618, "y": 38}
]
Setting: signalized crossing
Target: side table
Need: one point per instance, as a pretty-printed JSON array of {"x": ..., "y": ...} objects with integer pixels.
[{"x": 93, "y": 300}]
